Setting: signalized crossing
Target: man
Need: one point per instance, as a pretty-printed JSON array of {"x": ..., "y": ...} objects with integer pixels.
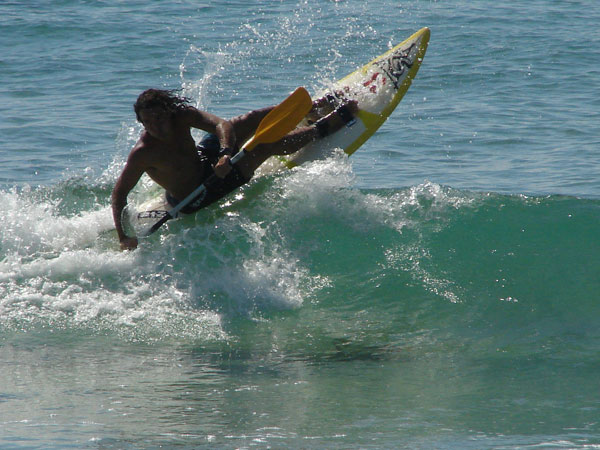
[{"x": 167, "y": 152}]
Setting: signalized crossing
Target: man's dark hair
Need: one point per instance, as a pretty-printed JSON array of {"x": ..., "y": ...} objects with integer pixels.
[{"x": 166, "y": 99}]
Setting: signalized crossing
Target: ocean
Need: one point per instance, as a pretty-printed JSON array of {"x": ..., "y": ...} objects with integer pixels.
[{"x": 440, "y": 289}]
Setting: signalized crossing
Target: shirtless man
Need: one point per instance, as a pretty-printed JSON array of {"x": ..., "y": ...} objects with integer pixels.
[{"x": 167, "y": 152}]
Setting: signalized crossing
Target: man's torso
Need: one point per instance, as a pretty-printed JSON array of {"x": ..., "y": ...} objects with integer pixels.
[{"x": 176, "y": 165}]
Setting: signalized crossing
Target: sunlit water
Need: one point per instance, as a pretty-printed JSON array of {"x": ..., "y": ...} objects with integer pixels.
[{"x": 439, "y": 289}]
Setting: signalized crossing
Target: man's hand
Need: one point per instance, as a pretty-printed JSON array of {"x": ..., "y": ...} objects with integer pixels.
[
  {"x": 129, "y": 243},
  {"x": 223, "y": 167}
]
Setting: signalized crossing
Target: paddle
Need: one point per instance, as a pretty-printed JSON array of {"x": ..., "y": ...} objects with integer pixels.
[{"x": 280, "y": 121}]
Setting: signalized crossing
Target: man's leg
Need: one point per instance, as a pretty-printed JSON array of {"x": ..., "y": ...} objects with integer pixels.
[
  {"x": 292, "y": 142},
  {"x": 245, "y": 125}
]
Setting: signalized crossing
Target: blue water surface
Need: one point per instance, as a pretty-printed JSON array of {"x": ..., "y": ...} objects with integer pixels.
[{"x": 438, "y": 289}]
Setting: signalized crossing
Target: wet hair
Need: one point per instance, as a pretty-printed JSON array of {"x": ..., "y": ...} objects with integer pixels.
[{"x": 166, "y": 99}]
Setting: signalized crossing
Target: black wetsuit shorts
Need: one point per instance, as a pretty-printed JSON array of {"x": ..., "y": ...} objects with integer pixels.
[{"x": 208, "y": 150}]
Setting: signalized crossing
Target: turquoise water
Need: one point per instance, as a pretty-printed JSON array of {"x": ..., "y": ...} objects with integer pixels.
[{"x": 438, "y": 289}]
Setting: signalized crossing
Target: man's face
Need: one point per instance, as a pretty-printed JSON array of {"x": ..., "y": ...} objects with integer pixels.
[{"x": 156, "y": 121}]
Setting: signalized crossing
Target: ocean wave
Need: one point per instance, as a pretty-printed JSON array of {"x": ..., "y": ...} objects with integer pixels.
[{"x": 306, "y": 240}]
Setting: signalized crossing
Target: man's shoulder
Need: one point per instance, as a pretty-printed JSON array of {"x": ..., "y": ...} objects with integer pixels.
[
  {"x": 192, "y": 117},
  {"x": 184, "y": 115}
]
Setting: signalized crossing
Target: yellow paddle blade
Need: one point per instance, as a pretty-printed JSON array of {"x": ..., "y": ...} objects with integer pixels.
[{"x": 282, "y": 119}]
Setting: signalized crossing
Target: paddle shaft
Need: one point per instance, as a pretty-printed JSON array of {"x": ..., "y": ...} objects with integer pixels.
[{"x": 171, "y": 214}]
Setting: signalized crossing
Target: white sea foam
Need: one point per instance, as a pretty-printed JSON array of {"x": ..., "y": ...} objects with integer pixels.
[
  {"x": 60, "y": 268},
  {"x": 221, "y": 261}
]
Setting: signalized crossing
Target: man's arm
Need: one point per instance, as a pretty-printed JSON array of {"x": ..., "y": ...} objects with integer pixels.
[
  {"x": 223, "y": 129},
  {"x": 131, "y": 174},
  {"x": 210, "y": 123}
]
